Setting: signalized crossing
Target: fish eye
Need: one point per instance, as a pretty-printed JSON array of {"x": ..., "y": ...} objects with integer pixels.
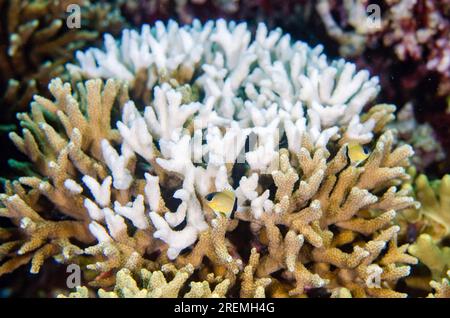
[{"x": 366, "y": 150}]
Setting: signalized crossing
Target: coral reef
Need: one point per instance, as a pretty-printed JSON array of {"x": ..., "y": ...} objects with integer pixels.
[
  {"x": 442, "y": 289},
  {"x": 407, "y": 45},
  {"x": 440, "y": 120},
  {"x": 408, "y": 49},
  {"x": 124, "y": 155},
  {"x": 428, "y": 151},
  {"x": 155, "y": 284},
  {"x": 433, "y": 215},
  {"x": 436, "y": 258},
  {"x": 36, "y": 42},
  {"x": 415, "y": 30},
  {"x": 428, "y": 228}
]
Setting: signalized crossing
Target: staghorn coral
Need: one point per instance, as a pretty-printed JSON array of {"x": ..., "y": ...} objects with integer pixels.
[
  {"x": 442, "y": 289},
  {"x": 56, "y": 158},
  {"x": 428, "y": 229},
  {"x": 408, "y": 47},
  {"x": 433, "y": 217},
  {"x": 436, "y": 258},
  {"x": 156, "y": 285},
  {"x": 212, "y": 109},
  {"x": 353, "y": 14},
  {"x": 414, "y": 29},
  {"x": 36, "y": 43}
]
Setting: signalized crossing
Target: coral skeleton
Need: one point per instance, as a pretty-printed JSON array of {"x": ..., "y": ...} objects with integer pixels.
[{"x": 160, "y": 118}]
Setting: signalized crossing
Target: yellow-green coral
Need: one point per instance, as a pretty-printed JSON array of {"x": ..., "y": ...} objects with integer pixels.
[
  {"x": 428, "y": 227},
  {"x": 436, "y": 258},
  {"x": 441, "y": 289},
  {"x": 434, "y": 197}
]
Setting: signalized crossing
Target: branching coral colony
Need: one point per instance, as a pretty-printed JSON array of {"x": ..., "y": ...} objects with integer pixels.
[
  {"x": 36, "y": 42},
  {"x": 416, "y": 32},
  {"x": 431, "y": 225},
  {"x": 119, "y": 183}
]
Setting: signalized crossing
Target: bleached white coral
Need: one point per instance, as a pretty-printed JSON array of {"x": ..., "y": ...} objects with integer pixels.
[
  {"x": 101, "y": 192},
  {"x": 211, "y": 109},
  {"x": 161, "y": 118},
  {"x": 254, "y": 93},
  {"x": 190, "y": 209},
  {"x": 134, "y": 211},
  {"x": 162, "y": 49},
  {"x": 118, "y": 165},
  {"x": 272, "y": 71},
  {"x": 133, "y": 124}
]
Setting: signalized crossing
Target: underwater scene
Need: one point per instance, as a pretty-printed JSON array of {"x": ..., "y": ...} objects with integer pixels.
[{"x": 225, "y": 149}]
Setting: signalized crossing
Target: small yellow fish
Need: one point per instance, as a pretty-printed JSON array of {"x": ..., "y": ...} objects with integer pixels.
[
  {"x": 223, "y": 202},
  {"x": 357, "y": 153}
]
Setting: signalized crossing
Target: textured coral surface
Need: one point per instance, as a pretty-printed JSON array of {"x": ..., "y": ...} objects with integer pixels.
[
  {"x": 36, "y": 41},
  {"x": 123, "y": 155},
  {"x": 338, "y": 194},
  {"x": 409, "y": 48}
]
